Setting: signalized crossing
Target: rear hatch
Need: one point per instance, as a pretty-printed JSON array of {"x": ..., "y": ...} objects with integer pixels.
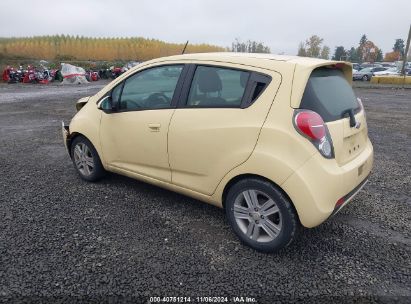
[{"x": 329, "y": 94}]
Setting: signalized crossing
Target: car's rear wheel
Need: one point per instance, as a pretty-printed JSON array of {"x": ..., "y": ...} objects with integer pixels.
[
  {"x": 86, "y": 160},
  {"x": 365, "y": 78},
  {"x": 260, "y": 214}
]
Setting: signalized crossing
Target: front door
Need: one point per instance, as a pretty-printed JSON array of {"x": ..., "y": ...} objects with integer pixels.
[{"x": 134, "y": 136}]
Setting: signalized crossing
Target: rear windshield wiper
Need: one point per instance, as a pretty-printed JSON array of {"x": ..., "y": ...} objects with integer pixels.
[{"x": 350, "y": 113}]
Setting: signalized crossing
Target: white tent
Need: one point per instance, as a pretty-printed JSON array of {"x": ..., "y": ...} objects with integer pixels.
[{"x": 72, "y": 74}]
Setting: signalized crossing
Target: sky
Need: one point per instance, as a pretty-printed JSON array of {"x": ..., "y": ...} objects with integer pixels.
[{"x": 281, "y": 25}]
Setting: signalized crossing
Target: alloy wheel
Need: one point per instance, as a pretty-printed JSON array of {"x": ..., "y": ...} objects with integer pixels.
[
  {"x": 83, "y": 158},
  {"x": 257, "y": 215}
]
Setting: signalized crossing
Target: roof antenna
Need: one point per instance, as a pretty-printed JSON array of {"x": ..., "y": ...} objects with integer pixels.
[{"x": 184, "y": 48}]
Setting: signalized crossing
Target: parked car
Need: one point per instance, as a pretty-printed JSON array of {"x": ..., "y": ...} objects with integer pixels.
[
  {"x": 389, "y": 71},
  {"x": 356, "y": 66},
  {"x": 367, "y": 73},
  {"x": 388, "y": 64},
  {"x": 276, "y": 141},
  {"x": 370, "y": 65}
]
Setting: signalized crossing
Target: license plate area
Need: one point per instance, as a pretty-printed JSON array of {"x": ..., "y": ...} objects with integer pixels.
[{"x": 352, "y": 147}]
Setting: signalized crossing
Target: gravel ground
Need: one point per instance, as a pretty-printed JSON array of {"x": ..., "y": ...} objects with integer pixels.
[{"x": 65, "y": 240}]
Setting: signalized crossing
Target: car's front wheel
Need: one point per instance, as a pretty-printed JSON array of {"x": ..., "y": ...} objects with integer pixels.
[
  {"x": 365, "y": 78},
  {"x": 261, "y": 216},
  {"x": 86, "y": 160}
]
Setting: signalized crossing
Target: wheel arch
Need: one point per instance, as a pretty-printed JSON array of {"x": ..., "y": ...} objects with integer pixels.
[
  {"x": 86, "y": 123},
  {"x": 240, "y": 177},
  {"x": 73, "y": 136}
]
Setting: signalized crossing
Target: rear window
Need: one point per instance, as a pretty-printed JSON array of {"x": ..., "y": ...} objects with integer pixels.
[{"x": 329, "y": 94}]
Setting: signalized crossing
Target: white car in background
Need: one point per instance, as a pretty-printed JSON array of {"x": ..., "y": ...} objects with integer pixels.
[
  {"x": 390, "y": 71},
  {"x": 366, "y": 73}
]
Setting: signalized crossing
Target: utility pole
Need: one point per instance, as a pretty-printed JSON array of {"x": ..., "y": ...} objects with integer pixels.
[{"x": 407, "y": 47}]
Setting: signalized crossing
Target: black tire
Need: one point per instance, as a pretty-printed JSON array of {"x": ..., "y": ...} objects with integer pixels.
[
  {"x": 94, "y": 172},
  {"x": 365, "y": 78},
  {"x": 286, "y": 216}
]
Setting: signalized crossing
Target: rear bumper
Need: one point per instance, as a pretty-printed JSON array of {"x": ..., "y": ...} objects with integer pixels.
[
  {"x": 319, "y": 184},
  {"x": 347, "y": 198}
]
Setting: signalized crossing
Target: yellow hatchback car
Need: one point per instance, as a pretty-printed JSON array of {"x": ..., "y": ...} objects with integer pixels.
[{"x": 276, "y": 141}]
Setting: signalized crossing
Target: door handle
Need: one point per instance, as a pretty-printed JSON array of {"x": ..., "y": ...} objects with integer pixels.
[{"x": 154, "y": 127}]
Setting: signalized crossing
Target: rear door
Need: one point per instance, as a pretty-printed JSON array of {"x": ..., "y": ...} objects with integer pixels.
[
  {"x": 216, "y": 127},
  {"x": 329, "y": 94}
]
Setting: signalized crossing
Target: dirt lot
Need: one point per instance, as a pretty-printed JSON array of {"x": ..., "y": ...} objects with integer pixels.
[{"x": 120, "y": 239}]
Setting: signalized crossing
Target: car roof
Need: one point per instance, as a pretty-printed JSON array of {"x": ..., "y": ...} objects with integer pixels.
[
  {"x": 266, "y": 61},
  {"x": 231, "y": 55}
]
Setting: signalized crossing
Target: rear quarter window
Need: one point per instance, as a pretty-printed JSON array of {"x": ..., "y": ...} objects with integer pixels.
[
  {"x": 329, "y": 94},
  {"x": 217, "y": 87}
]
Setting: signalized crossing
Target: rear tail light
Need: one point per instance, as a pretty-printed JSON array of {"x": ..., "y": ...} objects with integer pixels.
[{"x": 311, "y": 125}]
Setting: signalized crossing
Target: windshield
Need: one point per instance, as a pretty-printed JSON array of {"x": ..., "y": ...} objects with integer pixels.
[{"x": 329, "y": 94}]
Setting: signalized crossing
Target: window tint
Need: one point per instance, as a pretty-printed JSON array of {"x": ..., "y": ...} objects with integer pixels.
[
  {"x": 115, "y": 94},
  {"x": 329, "y": 94},
  {"x": 106, "y": 105},
  {"x": 150, "y": 89},
  {"x": 259, "y": 87},
  {"x": 115, "y": 97},
  {"x": 217, "y": 87}
]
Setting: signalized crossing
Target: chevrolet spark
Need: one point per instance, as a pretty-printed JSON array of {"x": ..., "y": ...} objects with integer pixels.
[{"x": 275, "y": 141}]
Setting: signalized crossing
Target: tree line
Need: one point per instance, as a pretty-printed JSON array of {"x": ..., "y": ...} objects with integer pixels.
[
  {"x": 63, "y": 47},
  {"x": 366, "y": 51},
  {"x": 313, "y": 47},
  {"x": 249, "y": 47}
]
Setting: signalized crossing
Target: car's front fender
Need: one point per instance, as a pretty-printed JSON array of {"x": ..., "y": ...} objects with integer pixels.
[{"x": 87, "y": 123}]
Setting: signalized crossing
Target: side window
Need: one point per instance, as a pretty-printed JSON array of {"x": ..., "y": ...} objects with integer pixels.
[
  {"x": 150, "y": 89},
  {"x": 115, "y": 93},
  {"x": 217, "y": 87}
]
